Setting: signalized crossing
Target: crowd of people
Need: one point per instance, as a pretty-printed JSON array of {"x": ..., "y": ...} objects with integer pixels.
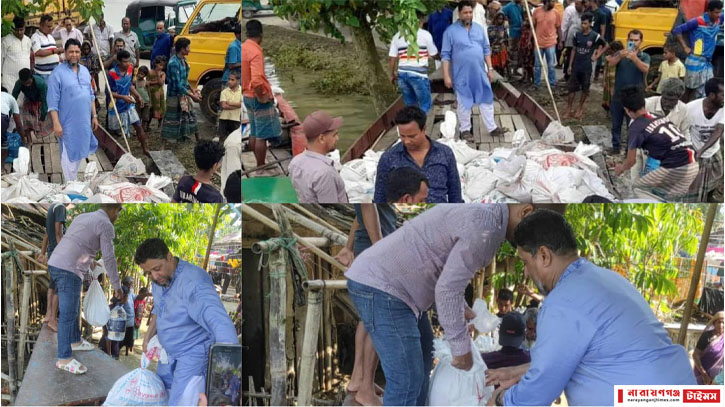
[
  {"x": 185, "y": 330},
  {"x": 469, "y": 40},
  {"x": 50, "y": 81}
]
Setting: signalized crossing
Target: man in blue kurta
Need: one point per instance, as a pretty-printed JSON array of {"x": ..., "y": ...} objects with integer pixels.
[
  {"x": 465, "y": 46},
  {"x": 188, "y": 317},
  {"x": 233, "y": 58},
  {"x": 594, "y": 330},
  {"x": 162, "y": 44},
  {"x": 72, "y": 109},
  {"x": 703, "y": 32}
]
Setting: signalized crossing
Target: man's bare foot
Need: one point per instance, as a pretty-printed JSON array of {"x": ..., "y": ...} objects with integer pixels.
[
  {"x": 579, "y": 114},
  {"x": 354, "y": 387},
  {"x": 46, "y": 319},
  {"x": 567, "y": 115},
  {"x": 366, "y": 399},
  {"x": 53, "y": 325}
]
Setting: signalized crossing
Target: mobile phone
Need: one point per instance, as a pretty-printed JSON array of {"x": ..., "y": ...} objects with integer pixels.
[
  {"x": 224, "y": 375},
  {"x": 630, "y": 45}
]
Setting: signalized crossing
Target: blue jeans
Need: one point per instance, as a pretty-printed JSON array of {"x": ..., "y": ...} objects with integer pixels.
[
  {"x": 415, "y": 90},
  {"x": 617, "y": 112},
  {"x": 68, "y": 287},
  {"x": 403, "y": 342},
  {"x": 550, "y": 55}
]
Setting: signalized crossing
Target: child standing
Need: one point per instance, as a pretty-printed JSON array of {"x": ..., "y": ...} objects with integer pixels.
[
  {"x": 671, "y": 67},
  {"x": 499, "y": 38},
  {"x": 142, "y": 87},
  {"x": 231, "y": 104},
  {"x": 610, "y": 72},
  {"x": 156, "y": 81},
  {"x": 526, "y": 51},
  {"x": 586, "y": 49}
]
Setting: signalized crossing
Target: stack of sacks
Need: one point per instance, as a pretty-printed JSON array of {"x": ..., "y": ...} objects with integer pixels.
[{"x": 359, "y": 177}]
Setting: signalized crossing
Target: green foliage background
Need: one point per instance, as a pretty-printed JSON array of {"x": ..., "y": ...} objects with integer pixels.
[
  {"x": 184, "y": 228},
  {"x": 86, "y": 8}
]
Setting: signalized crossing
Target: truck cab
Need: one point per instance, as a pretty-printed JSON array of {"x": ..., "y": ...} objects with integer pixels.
[
  {"x": 210, "y": 28},
  {"x": 145, "y": 13}
]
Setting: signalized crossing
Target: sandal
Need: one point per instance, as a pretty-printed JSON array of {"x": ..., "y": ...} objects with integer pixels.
[
  {"x": 85, "y": 345},
  {"x": 73, "y": 366}
]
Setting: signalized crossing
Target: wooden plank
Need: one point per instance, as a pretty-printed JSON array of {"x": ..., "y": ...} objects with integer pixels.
[
  {"x": 506, "y": 109},
  {"x": 508, "y": 124},
  {"x": 56, "y": 178},
  {"x": 82, "y": 166},
  {"x": 54, "y": 159},
  {"x": 599, "y": 135},
  {"x": 280, "y": 154},
  {"x": 168, "y": 164},
  {"x": 477, "y": 128},
  {"x": 103, "y": 161},
  {"x": 534, "y": 133},
  {"x": 275, "y": 170},
  {"x": 496, "y": 107},
  {"x": 429, "y": 121},
  {"x": 44, "y": 385},
  {"x": 35, "y": 159},
  {"x": 387, "y": 139}
]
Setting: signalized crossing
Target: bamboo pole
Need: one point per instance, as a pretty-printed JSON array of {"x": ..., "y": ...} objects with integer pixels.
[
  {"x": 309, "y": 348},
  {"x": 24, "y": 309},
  {"x": 337, "y": 238},
  {"x": 248, "y": 210},
  {"x": 277, "y": 317},
  {"x": 695, "y": 280},
  {"x": 25, "y": 256},
  {"x": 112, "y": 102},
  {"x": 319, "y": 220},
  {"x": 325, "y": 284},
  {"x": 9, "y": 271},
  {"x": 328, "y": 340},
  {"x": 211, "y": 235},
  {"x": 542, "y": 62}
]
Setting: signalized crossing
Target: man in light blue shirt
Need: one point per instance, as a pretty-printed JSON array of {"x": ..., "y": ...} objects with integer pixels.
[
  {"x": 188, "y": 317},
  {"x": 72, "y": 108},
  {"x": 594, "y": 329}
]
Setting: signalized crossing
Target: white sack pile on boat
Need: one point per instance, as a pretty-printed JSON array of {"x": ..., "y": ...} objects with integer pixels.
[
  {"x": 529, "y": 171},
  {"x": 21, "y": 186}
]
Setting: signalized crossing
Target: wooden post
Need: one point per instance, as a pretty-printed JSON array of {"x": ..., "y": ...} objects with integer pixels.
[
  {"x": 24, "y": 309},
  {"x": 277, "y": 320},
  {"x": 695, "y": 278},
  {"x": 211, "y": 235},
  {"x": 309, "y": 348},
  {"x": 9, "y": 271}
]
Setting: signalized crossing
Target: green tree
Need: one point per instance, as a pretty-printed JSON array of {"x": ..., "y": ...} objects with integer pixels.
[
  {"x": 362, "y": 17},
  {"x": 25, "y": 8},
  {"x": 640, "y": 241},
  {"x": 184, "y": 228}
]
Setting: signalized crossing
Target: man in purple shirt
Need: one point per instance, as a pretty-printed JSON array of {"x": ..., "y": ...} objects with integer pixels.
[
  {"x": 511, "y": 334},
  {"x": 431, "y": 258},
  {"x": 89, "y": 233}
]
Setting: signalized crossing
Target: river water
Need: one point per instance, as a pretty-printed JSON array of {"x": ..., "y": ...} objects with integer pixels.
[{"x": 356, "y": 110}]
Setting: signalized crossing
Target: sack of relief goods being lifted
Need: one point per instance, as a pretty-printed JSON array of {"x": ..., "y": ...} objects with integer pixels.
[{"x": 450, "y": 386}]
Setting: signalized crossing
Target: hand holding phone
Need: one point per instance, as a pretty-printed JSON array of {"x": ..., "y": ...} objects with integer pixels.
[{"x": 224, "y": 375}]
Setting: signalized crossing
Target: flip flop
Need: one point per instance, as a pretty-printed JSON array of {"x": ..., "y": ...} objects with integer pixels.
[
  {"x": 85, "y": 345},
  {"x": 74, "y": 367}
]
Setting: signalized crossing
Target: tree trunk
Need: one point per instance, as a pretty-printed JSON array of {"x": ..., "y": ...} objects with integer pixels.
[
  {"x": 381, "y": 90},
  {"x": 211, "y": 236}
]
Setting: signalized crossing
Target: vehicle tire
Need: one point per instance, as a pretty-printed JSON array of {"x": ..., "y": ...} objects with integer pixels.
[
  {"x": 210, "y": 95},
  {"x": 247, "y": 13}
]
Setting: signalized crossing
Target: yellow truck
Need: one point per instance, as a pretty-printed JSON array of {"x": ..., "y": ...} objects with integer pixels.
[
  {"x": 656, "y": 19},
  {"x": 210, "y": 29}
]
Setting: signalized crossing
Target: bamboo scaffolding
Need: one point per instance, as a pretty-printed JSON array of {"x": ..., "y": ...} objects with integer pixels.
[
  {"x": 9, "y": 272},
  {"x": 277, "y": 317},
  {"x": 248, "y": 210},
  {"x": 24, "y": 308},
  {"x": 337, "y": 238},
  {"x": 319, "y": 220},
  {"x": 695, "y": 280}
]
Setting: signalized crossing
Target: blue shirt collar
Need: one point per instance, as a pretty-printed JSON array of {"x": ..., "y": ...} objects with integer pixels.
[{"x": 575, "y": 265}]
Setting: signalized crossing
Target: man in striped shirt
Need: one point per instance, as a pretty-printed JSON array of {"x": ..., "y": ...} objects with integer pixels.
[
  {"x": 412, "y": 72},
  {"x": 44, "y": 47}
]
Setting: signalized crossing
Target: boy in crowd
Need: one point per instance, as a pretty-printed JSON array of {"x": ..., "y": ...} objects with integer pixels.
[
  {"x": 231, "y": 104},
  {"x": 199, "y": 188},
  {"x": 671, "y": 67},
  {"x": 585, "y": 43}
]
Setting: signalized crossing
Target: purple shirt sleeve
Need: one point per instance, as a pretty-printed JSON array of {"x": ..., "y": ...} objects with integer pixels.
[
  {"x": 325, "y": 188},
  {"x": 474, "y": 249},
  {"x": 107, "y": 233},
  {"x": 686, "y": 27}
]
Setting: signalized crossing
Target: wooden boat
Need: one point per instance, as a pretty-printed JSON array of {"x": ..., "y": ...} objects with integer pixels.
[{"x": 513, "y": 110}]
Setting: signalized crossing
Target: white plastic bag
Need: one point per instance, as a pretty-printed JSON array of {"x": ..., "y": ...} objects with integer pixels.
[
  {"x": 95, "y": 304},
  {"x": 21, "y": 165},
  {"x": 484, "y": 321},
  {"x": 450, "y": 386},
  {"x": 158, "y": 181},
  {"x": 519, "y": 138},
  {"x": 354, "y": 171},
  {"x": 140, "y": 387},
  {"x": 28, "y": 187},
  {"x": 486, "y": 344},
  {"x": 556, "y": 133},
  {"x": 448, "y": 127},
  {"x": 461, "y": 151},
  {"x": 91, "y": 171},
  {"x": 128, "y": 165}
]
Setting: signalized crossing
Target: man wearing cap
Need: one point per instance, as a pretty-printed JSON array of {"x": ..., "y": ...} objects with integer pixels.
[
  {"x": 511, "y": 334},
  {"x": 314, "y": 176}
]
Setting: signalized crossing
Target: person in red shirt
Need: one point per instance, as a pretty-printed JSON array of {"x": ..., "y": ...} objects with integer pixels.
[
  {"x": 139, "y": 306},
  {"x": 257, "y": 95}
]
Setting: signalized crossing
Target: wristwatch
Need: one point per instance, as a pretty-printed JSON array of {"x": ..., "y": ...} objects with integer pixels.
[
  {"x": 94, "y": 116},
  {"x": 499, "y": 398}
]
